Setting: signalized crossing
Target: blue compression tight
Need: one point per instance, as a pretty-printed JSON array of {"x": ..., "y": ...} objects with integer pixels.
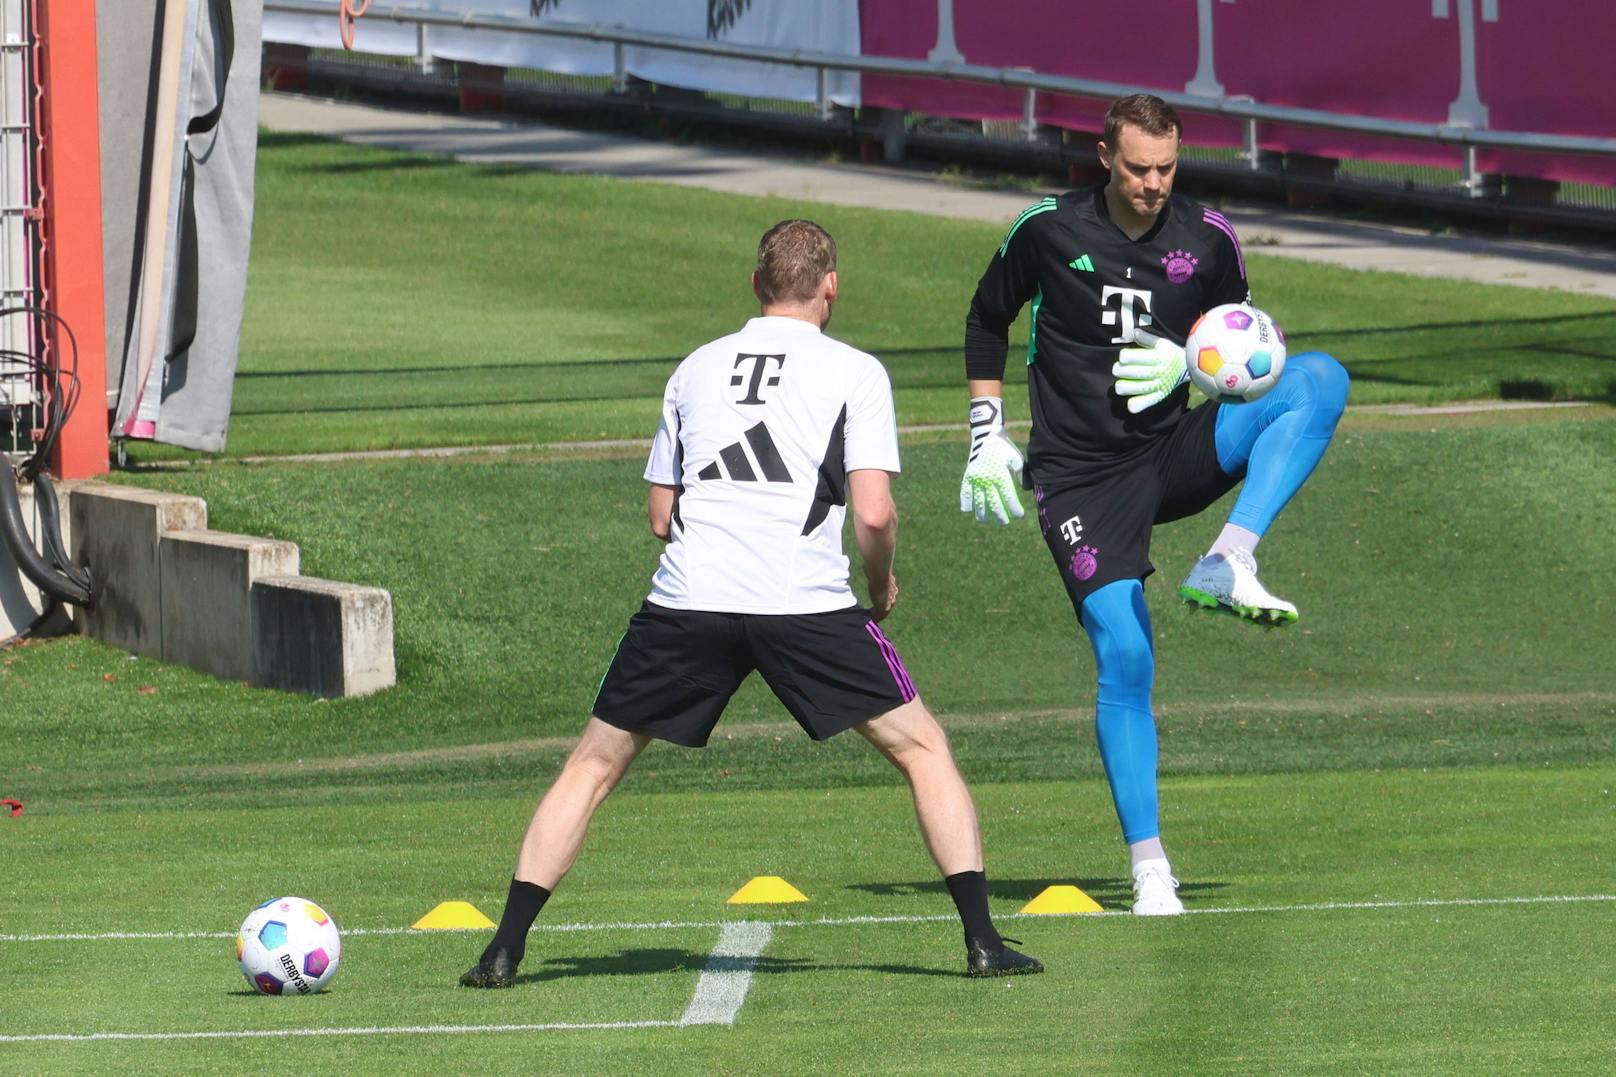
[
  {"x": 1277, "y": 441},
  {"x": 1119, "y": 630}
]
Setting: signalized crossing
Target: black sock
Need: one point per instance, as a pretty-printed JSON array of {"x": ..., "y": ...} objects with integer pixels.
[
  {"x": 970, "y": 892},
  {"x": 522, "y": 907}
]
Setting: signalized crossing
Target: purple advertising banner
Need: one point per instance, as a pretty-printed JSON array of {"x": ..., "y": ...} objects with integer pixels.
[{"x": 1506, "y": 65}]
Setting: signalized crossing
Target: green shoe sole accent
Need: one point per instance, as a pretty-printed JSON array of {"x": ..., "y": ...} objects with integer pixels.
[{"x": 1258, "y": 614}]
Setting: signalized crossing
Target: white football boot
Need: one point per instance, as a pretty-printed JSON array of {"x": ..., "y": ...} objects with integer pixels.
[
  {"x": 1229, "y": 583},
  {"x": 1154, "y": 889}
]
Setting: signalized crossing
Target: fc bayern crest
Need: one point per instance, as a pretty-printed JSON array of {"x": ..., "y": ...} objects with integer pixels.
[{"x": 1180, "y": 266}]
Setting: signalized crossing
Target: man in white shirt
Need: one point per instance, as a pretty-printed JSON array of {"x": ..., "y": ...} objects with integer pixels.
[{"x": 765, "y": 435}]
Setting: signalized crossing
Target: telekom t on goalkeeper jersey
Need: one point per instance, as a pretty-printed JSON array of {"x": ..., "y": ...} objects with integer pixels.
[{"x": 760, "y": 429}]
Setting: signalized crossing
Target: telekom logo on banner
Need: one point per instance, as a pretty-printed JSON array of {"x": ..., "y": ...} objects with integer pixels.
[
  {"x": 1467, "y": 109},
  {"x": 1482, "y": 64},
  {"x": 1205, "y": 81},
  {"x": 945, "y": 51}
]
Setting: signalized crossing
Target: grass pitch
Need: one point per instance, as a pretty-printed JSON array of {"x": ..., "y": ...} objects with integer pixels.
[
  {"x": 1391, "y": 820},
  {"x": 402, "y": 300},
  {"x": 1310, "y": 947}
]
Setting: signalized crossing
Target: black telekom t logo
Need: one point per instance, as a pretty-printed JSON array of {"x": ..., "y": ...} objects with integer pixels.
[{"x": 758, "y": 367}]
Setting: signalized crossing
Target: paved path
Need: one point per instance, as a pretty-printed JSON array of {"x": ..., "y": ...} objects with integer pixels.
[{"x": 1314, "y": 237}]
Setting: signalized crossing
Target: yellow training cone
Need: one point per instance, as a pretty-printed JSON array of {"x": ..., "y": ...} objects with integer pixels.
[
  {"x": 1056, "y": 900},
  {"x": 767, "y": 890},
  {"x": 451, "y": 916}
]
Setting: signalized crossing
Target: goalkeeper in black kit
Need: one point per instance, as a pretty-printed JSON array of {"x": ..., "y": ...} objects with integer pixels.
[{"x": 1116, "y": 276}]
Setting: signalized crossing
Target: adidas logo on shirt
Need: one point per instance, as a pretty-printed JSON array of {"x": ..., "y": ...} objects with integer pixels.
[{"x": 738, "y": 468}]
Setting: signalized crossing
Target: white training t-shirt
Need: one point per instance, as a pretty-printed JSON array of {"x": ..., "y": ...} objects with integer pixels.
[{"x": 760, "y": 428}]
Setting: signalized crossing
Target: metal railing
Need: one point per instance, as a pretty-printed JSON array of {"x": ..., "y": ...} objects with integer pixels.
[{"x": 1469, "y": 141}]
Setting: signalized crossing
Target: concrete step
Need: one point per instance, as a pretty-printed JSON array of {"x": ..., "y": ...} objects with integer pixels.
[
  {"x": 230, "y": 605},
  {"x": 322, "y": 637},
  {"x": 206, "y": 586},
  {"x": 116, "y": 531}
]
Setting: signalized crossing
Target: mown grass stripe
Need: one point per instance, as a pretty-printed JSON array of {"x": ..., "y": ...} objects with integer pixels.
[
  {"x": 364, "y": 1030},
  {"x": 854, "y": 921}
]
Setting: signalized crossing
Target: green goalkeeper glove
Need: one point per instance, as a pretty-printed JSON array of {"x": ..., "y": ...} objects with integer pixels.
[
  {"x": 1147, "y": 372},
  {"x": 993, "y": 470}
]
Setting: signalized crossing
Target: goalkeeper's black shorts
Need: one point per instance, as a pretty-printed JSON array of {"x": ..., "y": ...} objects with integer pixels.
[
  {"x": 1097, "y": 526},
  {"x": 675, "y": 670}
]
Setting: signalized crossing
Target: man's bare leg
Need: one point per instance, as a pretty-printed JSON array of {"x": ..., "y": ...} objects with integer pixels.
[
  {"x": 911, "y": 738},
  {"x": 561, "y": 820},
  {"x": 554, "y": 836},
  {"x": 914, "y": 743}
]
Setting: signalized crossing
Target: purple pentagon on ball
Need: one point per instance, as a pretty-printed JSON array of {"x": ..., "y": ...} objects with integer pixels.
[
  {"x": 267, "y": 983},
  {"x": 1280, "y": 332},
  {"x": 315, "y": 962},
  {"x": 1260, "y": 364},
  {"x": 272, "y": 935},
  {"x": 1237, "y": 319}
]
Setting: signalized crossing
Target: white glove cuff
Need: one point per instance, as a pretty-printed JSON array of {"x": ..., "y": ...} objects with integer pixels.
[{"x": 987, "y": 415}]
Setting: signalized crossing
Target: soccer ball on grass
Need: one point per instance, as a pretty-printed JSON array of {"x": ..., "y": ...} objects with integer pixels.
[
  {"x": 1235, "y": 353},
  {"x": 288, "y": 946}
]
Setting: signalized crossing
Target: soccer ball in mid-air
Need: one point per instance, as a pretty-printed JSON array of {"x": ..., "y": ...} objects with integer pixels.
[
  {"x": 288, "y": 946},
  {"x": 1235, "y": 353}
]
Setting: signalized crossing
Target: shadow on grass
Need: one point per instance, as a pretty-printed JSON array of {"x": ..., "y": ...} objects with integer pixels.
[
  {"x": 1110, "y": 893},
  {"x": 654, "y": 960},
  {"x": 588, "y": 364},
  {"x": 410, "y": 162},
  {"x": 1489, "y": 324},
  {"x": 268, "y": 139}
]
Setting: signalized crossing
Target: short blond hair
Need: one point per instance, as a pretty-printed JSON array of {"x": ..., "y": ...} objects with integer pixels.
[{"x": 793, "y": 258}]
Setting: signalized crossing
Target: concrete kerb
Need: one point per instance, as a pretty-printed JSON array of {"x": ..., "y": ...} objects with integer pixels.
[
  {"x": 207, "y": 577},
  {"x": 169, "y": 588},
  {"x": 322, "y": 637},
  {"x": 116, "y": 535}
]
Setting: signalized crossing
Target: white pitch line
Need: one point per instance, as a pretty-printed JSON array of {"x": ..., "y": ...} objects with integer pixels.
[
  {"x": 721, "y": 989},
  {"x": 720, "y": 993},
  {"x": 728, "y": 976},
  {"x": 372, "y": 1030},
  {"x": 848, "y": 921}
]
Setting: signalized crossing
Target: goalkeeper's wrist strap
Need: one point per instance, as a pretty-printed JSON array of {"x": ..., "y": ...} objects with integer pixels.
[{"x": 987, "y": 417}]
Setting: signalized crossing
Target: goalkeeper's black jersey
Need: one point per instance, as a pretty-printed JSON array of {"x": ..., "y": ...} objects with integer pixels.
[{"x": 1091, "y": 288}]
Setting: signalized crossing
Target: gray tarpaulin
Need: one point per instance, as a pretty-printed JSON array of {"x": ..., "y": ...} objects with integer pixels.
[{"x": 192, "y": 325}]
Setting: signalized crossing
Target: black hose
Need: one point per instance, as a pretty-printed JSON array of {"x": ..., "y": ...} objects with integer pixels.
[
  {"x": 50, "y": 532},
  {"x": 44, "y": 575}
]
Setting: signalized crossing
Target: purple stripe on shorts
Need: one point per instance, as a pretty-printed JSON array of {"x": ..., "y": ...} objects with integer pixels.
[
  {"x": 906, "y": 687},
  {"x": 1221, "y": 223}
]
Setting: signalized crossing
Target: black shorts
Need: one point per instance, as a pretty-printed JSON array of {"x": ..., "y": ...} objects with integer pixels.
[
  {"x": 675, "y": 670},
  {"x": 1098, "y": 528}
]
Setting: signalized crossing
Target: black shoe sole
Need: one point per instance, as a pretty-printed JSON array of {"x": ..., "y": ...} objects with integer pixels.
[
  {"x": 1019, "y": 965},
  {"x": 482, "y": 976}
]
